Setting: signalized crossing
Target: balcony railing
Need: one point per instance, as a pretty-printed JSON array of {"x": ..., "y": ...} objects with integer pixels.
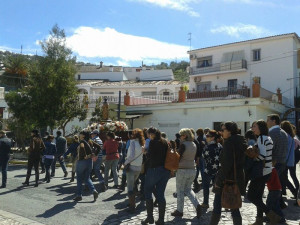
[
  {"x": 220, "y": 67},
  {"x": 224, "y": 93},
  {"x": 153, "y": 99}
]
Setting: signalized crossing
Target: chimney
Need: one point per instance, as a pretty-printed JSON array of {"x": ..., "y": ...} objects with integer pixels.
[{"x": 101, "y": 64}]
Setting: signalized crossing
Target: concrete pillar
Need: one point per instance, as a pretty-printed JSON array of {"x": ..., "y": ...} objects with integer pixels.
[
  {"x": 181, "y": 95},
  {"x": 127, "y": 99}
]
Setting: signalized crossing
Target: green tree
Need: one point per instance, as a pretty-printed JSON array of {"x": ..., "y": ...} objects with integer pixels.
[{"x": 97, "y": 114}]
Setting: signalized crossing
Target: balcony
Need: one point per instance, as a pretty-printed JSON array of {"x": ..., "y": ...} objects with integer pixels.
[
  {"x": 224, "y": 67},
  {"x": 220, "y": 94}
]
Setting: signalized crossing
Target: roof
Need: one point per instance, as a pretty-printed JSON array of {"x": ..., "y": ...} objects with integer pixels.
[
  {"x": 101, "y": 83},
  {"x": 96, "y": 68},
  {"x": 256, "y": 39}
]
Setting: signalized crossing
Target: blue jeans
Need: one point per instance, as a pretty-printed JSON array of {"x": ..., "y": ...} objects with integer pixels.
[
  {"x": 218, "y": 207},
  {"x": 156, "y": 178},
  {"x": 83, "y": 171},
  {"x": 61, "y": 162},
  {"x": 97, "y": 166},
  {"x": 111, "y": 164},
  {"x": 4, "y": 166},
  {"x": 273, "y": 202},
  {"x": 206, "y": 179},
  {"x": 48, "y": 163}
]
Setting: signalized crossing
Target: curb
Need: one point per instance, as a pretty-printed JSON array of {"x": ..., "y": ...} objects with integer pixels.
[{"x": 19, "y": 219}]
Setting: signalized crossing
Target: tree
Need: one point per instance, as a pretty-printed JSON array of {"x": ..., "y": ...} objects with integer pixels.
[
  {"x": 15, "y": 71},
  {"x": 97, "y": 114}
]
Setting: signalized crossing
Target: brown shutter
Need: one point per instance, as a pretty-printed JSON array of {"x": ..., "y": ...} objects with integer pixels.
[{"x": 298, "y": 58}]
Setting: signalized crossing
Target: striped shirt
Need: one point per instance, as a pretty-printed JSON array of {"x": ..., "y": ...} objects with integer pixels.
[
  {"x": 265, "y": 146},
  {"x": 99, "y": 142}
]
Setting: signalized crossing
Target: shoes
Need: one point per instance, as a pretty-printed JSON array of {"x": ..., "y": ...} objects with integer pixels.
[
  {"x": 26, "y": 183},
  {"x": 103, "y": 187},
  {"x": 77, "y": 198},
  {"x": 43, "y": 171},
  {"x": 66, "y": 174},
  {"x": 177, "y": 214},
  {"x": 198, "y": 210},
  {"x": 150, "y": 218},
  {"x": 273, "y": 217},
  {"x": 175, "y": 195},
  {"x": 52, "y": 175},
  {"x": 116, "y": 186},
  {"x": 48, "y": 181},
  {"x": 204, "y": 206},
  {"x": 96, "y": 194}
]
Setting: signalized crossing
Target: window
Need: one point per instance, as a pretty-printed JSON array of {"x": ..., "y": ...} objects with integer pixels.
[
  {"x": 232, "y": 86},
  {"x": 147, "y": 93},
  {"x": 217, "y": 126},
  {"x": 166, "y": 93},
  {"x": 79, "y": 76},
  {"x": 256, "y": 55},
  {"x": 205, "y": 62},
  {"x": 204, "y": 86}
]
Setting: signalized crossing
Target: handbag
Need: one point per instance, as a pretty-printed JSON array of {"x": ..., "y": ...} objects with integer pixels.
[
  {"x": 172, "y": 159},
  {"x": 252, "y": 152},
  {"x": 231, "y": 195}
]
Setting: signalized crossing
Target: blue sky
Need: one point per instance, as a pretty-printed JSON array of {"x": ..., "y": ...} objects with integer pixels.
[{"x": 127, "y": 32}]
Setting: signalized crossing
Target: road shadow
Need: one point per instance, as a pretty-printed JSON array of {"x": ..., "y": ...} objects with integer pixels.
[
  {"x": 292, "y": 212},
  {"x": 57, "y": 209},
  {"x": 117, "y": 196}
]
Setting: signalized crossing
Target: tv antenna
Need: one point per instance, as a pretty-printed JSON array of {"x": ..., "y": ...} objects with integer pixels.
[{"x": 190, "y": 40}]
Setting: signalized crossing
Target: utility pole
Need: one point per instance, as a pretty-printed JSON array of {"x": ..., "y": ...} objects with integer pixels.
[
  {"x": 21, "y": 49},
  {"x": 190, "y": 40},
  {"x": 119, "y": 106}
]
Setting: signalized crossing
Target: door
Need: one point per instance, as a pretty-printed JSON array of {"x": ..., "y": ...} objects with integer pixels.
[{"x": 232, "y": 86}]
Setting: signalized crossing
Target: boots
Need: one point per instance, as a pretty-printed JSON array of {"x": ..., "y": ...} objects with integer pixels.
[
  {"x": 214, "y": 219},
  {"x": 161, "y": 213},
  {"x": 258, "y": 221},
  {"x": 273, "y": 217},
  {"x": 196, "y": 186},
  {"x": 131, "y": 208},
  {"x": 123, "y": 183},
  {"x": 72, "y": 177},
  {"x": 198, "y": 210},
  {"x": 237, "y": 220},
  {"x": 149, "y": 207},
  {"x": 103, "y": 187}
]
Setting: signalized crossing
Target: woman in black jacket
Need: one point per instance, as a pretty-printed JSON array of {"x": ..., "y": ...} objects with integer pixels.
[
  {"x": 233, "y": 148},
  {"x": 157, "y": 176}
]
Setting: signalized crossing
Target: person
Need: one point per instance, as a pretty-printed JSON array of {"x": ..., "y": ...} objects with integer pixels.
[
  {"x": 280, "y": 148},
  {"x": 177, "y": 140},
  {"x": 34, "y": 154},
  {"x": 200, "y": 161},
  {"x": 5, "y": 147},
  {"x": 297, "y": 159},
  {"x": 73, "y": 151},
  {"x": 211, "y": 155},
  {"x": 232, "y": 153},
  {"x": 97, "y": 164},
  {"x": 186, "y": 173},
  {"x": 290, "y": 160},
  {"x": 84, "y": 166},
  {"x": 273, "y": 199},
  {"x": 262, "y": 175},
  {"x": 251, "y": 140},
  {"x": 61, "y": 146},
  {"x": 112, "y": 158},
  {"x": 156, "y": 176},
  {"x": 46, "y": 134},
  {"x": 48, "y": 157},
  {"x": 135, "y": 160}
]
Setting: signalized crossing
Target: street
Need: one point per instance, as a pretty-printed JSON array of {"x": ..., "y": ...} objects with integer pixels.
[{"x": 52, "y": 204}]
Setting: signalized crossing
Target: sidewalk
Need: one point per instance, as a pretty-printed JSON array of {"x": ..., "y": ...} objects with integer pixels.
[{"x": 13, "y": 219}]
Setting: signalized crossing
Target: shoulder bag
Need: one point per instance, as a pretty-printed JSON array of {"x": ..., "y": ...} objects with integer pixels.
[
  {"x": 172, "y": 159},
  {"x": 231, "y": 195}
]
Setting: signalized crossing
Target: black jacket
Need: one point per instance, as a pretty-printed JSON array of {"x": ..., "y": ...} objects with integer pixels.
[
  {"x": 5, "y": 146},
  {"x": 236, "y": 144},
  {"x": 157, "y": 153}
]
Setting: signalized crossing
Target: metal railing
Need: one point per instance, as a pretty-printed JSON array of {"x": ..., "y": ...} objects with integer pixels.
[
  {"x": 153, "y": 99},
  {"x": 219, "y": 67}
]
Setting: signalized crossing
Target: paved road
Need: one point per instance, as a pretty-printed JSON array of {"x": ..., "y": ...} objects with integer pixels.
[{"x": 52, "y": 204}]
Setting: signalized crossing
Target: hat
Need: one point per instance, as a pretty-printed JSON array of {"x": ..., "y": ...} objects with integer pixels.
[{"x": 95, "y": 132}]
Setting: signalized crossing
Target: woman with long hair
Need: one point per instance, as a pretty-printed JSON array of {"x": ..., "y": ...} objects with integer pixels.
[
  {"x": 186, "y": 172},
  {"x": 157, "y": 176},
  {"x": 84, "y": 166},
  {"x": 232, "y": 153},
  {"x": 35, "y": 150},
  {"x": 262, "y": 175},
  {"x": 134, "y": 159}
]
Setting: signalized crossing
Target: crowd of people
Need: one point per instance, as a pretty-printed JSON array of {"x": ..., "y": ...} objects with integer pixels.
[{"x": 263, "y": 157}]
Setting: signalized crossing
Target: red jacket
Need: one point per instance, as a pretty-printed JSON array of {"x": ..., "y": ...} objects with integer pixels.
[
  {"x": 274, "y": 182},
  {"x": 111, "y": 147}
]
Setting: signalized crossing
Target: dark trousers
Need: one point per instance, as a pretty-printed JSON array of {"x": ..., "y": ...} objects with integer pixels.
[
  {"x": 218, "y": 206},
  {"x": 61, "y": 162},
  {"x": 255, "y": 194},
  {"x": 280, "y": 167},
  {"x": 48, "y": 163},
  {"x": 273, "y": 202},
  {"x": 33, "y": 162},
  {"x": 4, "y": 166},
  {"x": 289, "y": 185},
  {"x": 206, "y": 179},
  {"x": 42, "y": 164}
]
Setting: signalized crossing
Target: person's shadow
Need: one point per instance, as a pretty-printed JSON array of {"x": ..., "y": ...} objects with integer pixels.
[{"x": 57, "y": 209}]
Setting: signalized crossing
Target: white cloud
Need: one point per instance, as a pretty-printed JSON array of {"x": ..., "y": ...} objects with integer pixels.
[
  {"x": 252, "y": 2},
  {"x": 180, "y": 5},
  {"x": 242, "y": 29},
  {"x": 109, "y": 43}
]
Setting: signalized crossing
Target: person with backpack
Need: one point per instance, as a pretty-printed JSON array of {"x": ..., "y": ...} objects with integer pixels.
[{"x": 35, "y": 150}]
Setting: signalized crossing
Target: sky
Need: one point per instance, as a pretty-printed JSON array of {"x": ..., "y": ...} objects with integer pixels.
[{"x": 132, "y": 32}]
